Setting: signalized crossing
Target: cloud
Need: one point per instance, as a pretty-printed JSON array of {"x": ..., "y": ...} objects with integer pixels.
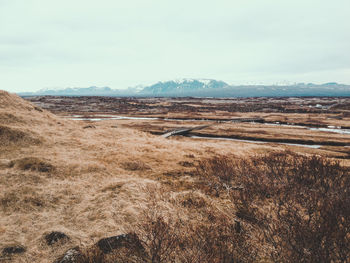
[{"x": 125, "y": 43}]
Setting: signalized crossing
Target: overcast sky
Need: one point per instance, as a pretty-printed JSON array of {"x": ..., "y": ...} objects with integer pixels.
[{"x": 81, "y": 43}]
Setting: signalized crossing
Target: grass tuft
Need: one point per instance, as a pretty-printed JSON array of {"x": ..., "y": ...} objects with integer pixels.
[{"x": 32, "y": 164}]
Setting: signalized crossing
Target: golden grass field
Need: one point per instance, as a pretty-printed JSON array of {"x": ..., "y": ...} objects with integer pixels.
[{"x": 91, "y": 183}]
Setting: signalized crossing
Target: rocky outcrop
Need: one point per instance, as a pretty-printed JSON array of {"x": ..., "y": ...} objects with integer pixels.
[
  {"x": 72, "y": 255},
  {"x": 131, "y": 241},
  {"x": 54, "y": 237}
]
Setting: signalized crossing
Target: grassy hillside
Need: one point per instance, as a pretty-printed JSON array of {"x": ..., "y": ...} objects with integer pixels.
[{"x": 65, "y": 186}]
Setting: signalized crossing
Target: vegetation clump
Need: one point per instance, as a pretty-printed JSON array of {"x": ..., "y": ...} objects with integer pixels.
[
  {"x": 25, "y": 200},
  {"x": 300, "y": 205},
  {"x": 54, "y": 237},
  {"x": 135, "y": 166},
  {"x": 284, "y": 208},
  {"x": 32, "y": 164},
  {"x": 12, "y": 250},
  {"x": 10, "y": 136}
]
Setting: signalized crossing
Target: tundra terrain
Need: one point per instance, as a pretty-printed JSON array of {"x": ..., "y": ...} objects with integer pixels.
[
  {"x": 318, "y": 121},
  {"x": 256, "y": 183}
]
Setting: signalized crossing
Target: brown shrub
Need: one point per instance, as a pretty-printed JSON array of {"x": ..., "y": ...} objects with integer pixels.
[
  {"x": 308, "y": 198},
  {"x": 191, "y": 200},
  {"x": 215, "y": 237},
  {"x": 164, "y": 236},
  {"x": 121, "y": 255},
  {"x": 288, "y": 208},
  {"x": 220, "y": 239},
  {"x": 91, "y": 255},
  {"x": 218, "y": 174}
]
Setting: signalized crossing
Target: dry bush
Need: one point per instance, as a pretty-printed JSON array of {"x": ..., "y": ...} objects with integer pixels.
[
  {"x": 93, "y": 254},
  {"x": 32, "y": 164},
  {"x": 159, "y": 237},
  {"x": 312, "y": 210},
  {"x": 217, "y": 238},
  {"x": 169, "y": 237},
  {"x": 308, "y": 219},
  {"x": 218, "y": 174},
  {"x": 288, "y": 208},
  {"x": 191, "y": 200},
  {"x": 157, "y": 228}
]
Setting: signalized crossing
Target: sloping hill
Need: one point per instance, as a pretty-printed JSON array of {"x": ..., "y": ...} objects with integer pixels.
[
  {"x": 87, "y": 183},
  {"x": 10, "y": 101},
  {"x": 22, "y": 123},
  {"x": 89, "y": 188},
  {"x": 15, "y": 113}
]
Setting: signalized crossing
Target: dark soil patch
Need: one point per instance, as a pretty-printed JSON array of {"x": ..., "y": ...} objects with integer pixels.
[{"x": 12, "y": 250}]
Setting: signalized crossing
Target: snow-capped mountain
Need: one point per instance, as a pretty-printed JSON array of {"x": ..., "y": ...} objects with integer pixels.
[
  {"x": 204, "y": 88},
  {"x": 183, "y": 86},
  {"x": 93, "y": 90}
]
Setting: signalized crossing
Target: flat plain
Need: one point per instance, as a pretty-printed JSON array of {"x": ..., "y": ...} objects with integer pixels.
[{"x": 322, "y": 123}]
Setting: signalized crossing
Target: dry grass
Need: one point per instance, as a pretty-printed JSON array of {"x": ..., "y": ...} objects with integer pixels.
[
  {"x": 27, "y": 199},
  {"x": 13, "y": 137},
  {"x": 135, "y": 166},
  {"x": 8, "y": 118},
  {"x": 32, "y": 164},
  {"x": 92, "y": 183}
]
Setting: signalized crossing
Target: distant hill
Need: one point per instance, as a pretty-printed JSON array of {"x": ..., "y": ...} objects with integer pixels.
[
  {"x": 183, "y": 87},
  {"x": 204, "y": 88},
  {"x": 73, "y": 91}
]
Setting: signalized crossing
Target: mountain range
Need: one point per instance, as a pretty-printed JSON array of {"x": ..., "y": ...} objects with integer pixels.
[{"x": 203, "y": 88}]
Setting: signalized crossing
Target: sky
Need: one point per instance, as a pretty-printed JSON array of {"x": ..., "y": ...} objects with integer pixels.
[{"x": 121, "y": 44}]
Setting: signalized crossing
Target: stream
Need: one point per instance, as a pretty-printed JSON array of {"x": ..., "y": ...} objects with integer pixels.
[
  {"x": 251, "y": 141},
  {"x": 333, "y": 129}
]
